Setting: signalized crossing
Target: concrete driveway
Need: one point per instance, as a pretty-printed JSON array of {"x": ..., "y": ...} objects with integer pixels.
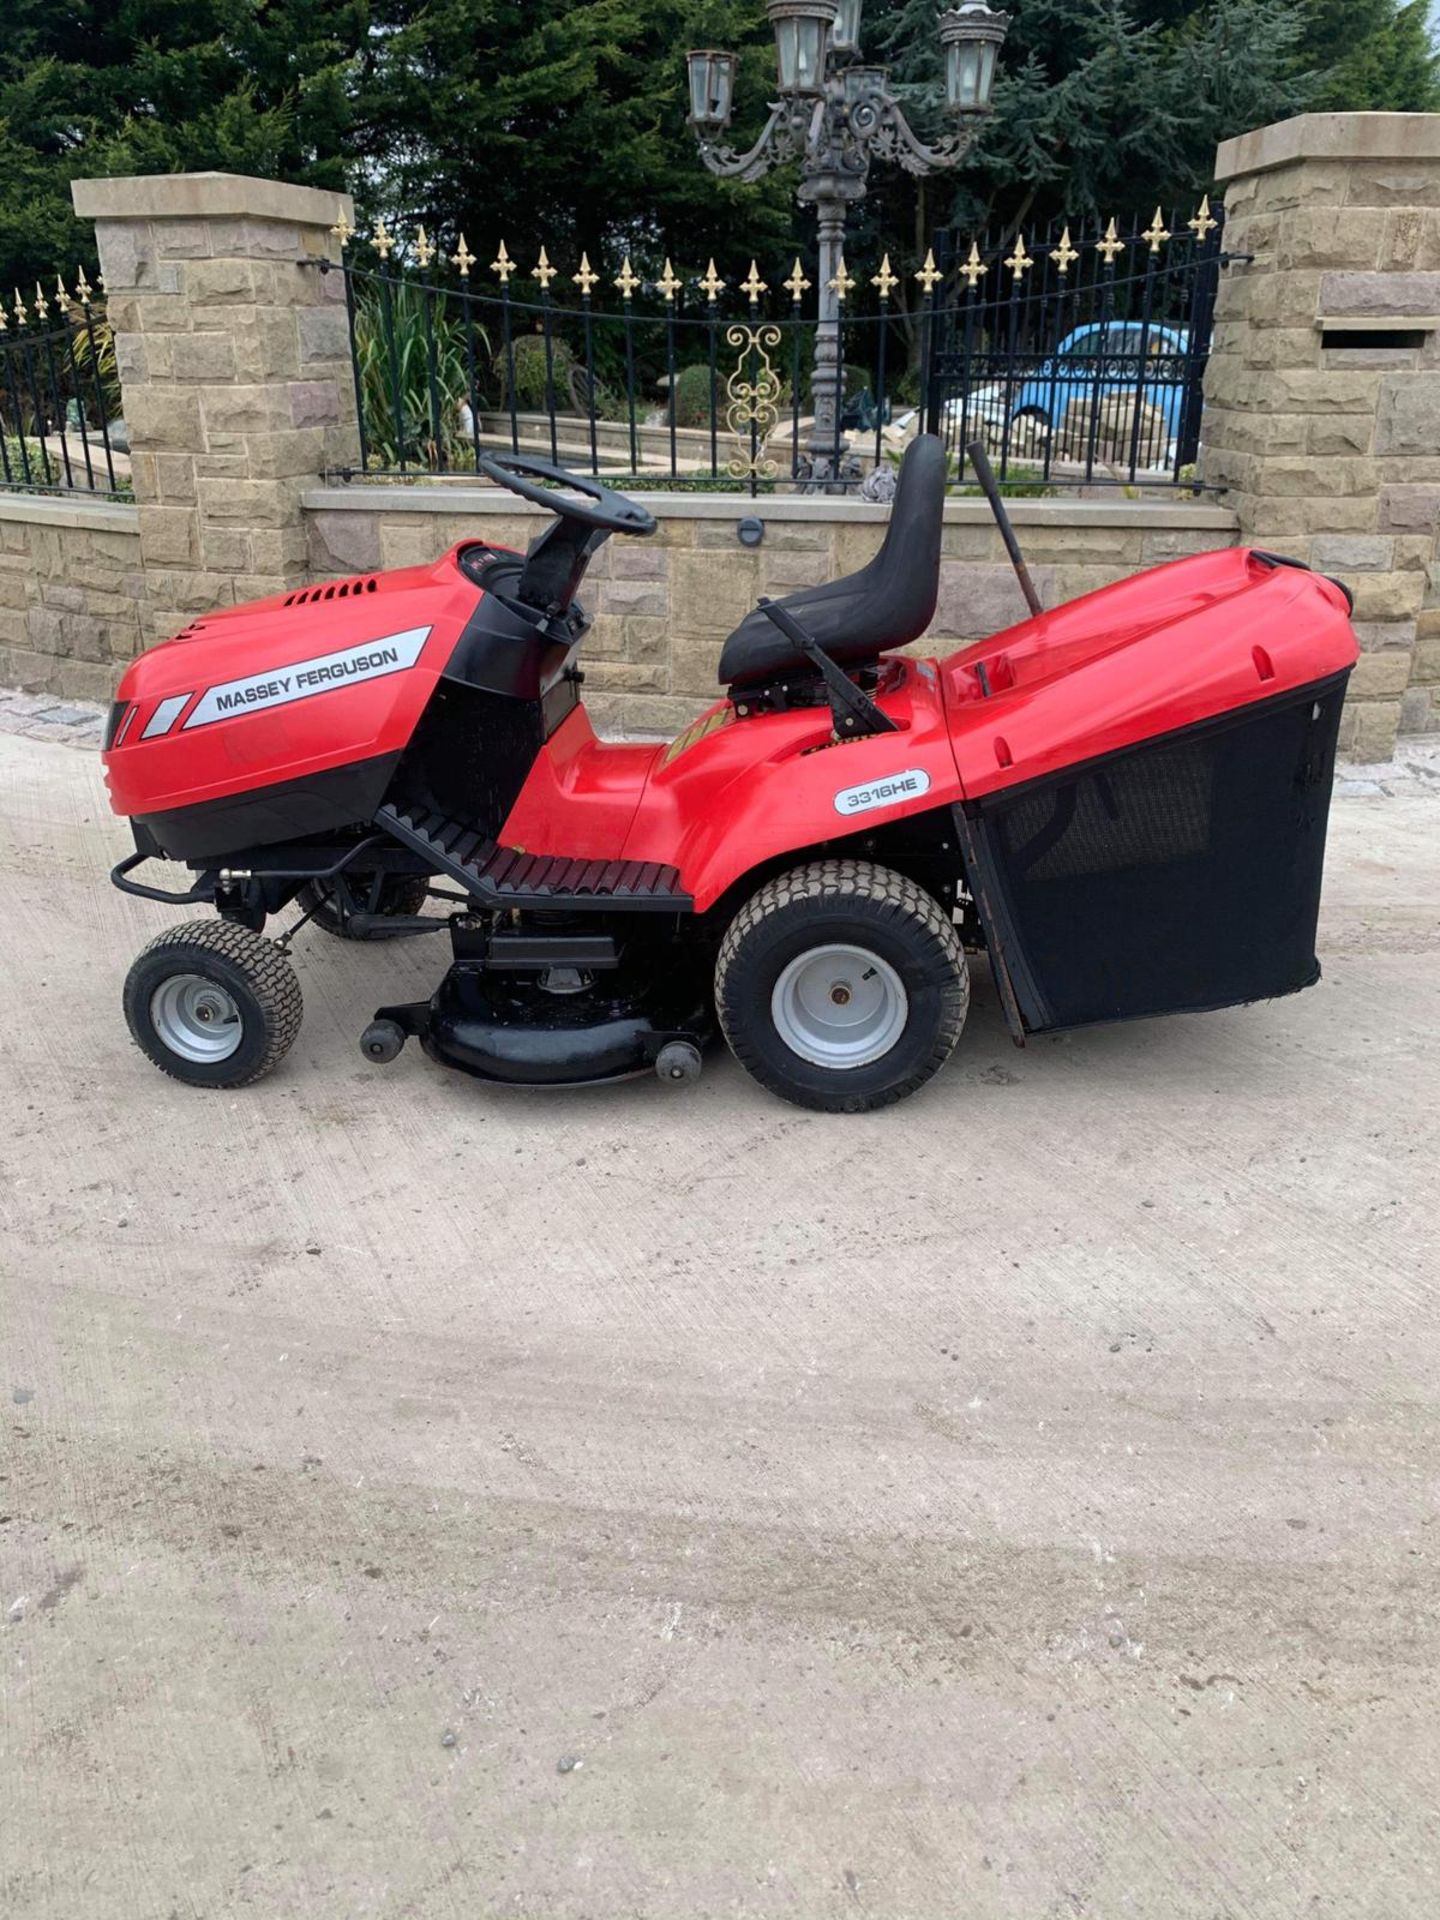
[{"x": 646, "y": 1506}]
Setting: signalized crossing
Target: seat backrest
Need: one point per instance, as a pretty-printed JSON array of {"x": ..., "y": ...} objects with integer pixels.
[{"x": 907, "y": 567}]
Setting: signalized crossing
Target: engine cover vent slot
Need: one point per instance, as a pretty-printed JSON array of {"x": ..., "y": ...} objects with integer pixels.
[{"x": 333, "y": 590}]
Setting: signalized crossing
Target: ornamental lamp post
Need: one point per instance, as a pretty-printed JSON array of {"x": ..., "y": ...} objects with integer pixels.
[{"x": 834, "y": 115}]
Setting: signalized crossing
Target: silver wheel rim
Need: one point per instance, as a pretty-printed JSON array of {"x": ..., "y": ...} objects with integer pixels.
[
  {"x": 839, "y": 1006},
  {"x": 196, "y": 1018}
]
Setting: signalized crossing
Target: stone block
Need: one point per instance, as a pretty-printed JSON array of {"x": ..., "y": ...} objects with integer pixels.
[
  {"x": 1384, "y": 636},
  {"x": 182, "y": 239},
  {"x": 1318, "y": 390},
  {"x": 1351, "y": 552},
  {"x": 1371, "y": 731},
  {"x": 1323, "y": 236},
  {"x": 127, "y": 252},
  {"x": 1340, "y": 435},
  {"x": 645, "y": 638},
  {"x": 626, "y": 676},
  {"x": 267, "y": 343},
  {"x": 635, "y": 560},
  {"x": 313, "y": 402},
  {"x": 209, "y": 283},
  {"x": 324, "y": 334},
  {"x": 1425, "y": 666},
  {"x": 245, "y": 409},
  {"x": 174, "y": 477},
  {"x": 1380, "y": 676},
  {"x": 1419, "y": 712},
  {"x": 203, "y": 356},
  {"x": 168, "y": 536},
  {"x": 225, "y": 549},
  {"x": 242, "y": 239},
  {"x": 785, "y": 572},
  {"x": 1387, "y": 596},
  {"x": 1408, "y": 417},
  {"x": 979, "y": 600},
  {"x": 1379, "y": 295},
  {"x": 634, "y": 597},
  {"x": 248, "y": 503},
  {"x": 278, "y": 456},
  {"x": 161, "y": 417},
  {"x": 1410, "y": 509},
  {"x": 349, "y": 541}
]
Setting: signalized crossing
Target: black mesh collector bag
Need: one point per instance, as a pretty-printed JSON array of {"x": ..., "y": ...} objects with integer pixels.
[{"x": 1173, "y": 876}]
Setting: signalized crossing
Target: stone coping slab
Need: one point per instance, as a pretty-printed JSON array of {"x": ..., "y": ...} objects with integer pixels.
[
  {"x": 1330, "y": 136},
  {"x": 481, "y": 500},
  {"x": 200, "y": 196},
  {"x": 55, "y": 510}
]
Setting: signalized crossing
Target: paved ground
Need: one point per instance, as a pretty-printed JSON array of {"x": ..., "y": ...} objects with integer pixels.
[{"x": 424, "y": 1503}]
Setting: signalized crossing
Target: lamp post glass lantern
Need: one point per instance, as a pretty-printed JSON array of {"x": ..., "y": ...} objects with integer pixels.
[
  {"x": 834, "y": 116},
  {"x": 971, "y": 37},
  {"x": 712, "y": 88},
  {"x": 802, "y": 42}
]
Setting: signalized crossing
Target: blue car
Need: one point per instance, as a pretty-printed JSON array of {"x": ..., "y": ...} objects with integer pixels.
[{"x": 1070, "y": 374}]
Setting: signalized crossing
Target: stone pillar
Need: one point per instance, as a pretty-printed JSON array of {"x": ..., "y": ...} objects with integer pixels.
[
  {"x": 234, "y": 362},
  {"x": 1322, "y": 396}
]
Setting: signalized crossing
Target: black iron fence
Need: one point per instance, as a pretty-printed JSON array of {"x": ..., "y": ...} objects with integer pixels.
[
  {"x": 1077, "y": 354},
  {"x": 1078, "y": 361},
  {"x": 685, "y": 382},
  {"x": 59, "y": 395}
]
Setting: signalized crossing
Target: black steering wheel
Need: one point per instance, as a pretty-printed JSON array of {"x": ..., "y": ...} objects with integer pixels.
[{"x": 602, "y": 507}]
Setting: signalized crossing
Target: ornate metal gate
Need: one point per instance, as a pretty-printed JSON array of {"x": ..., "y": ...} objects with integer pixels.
[{"x": 1076, "y": 355}]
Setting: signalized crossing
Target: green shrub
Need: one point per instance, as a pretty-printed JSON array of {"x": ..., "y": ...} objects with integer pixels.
[
  {"x": 531, "y": 382},
  {"x": 692, "y": 396}
]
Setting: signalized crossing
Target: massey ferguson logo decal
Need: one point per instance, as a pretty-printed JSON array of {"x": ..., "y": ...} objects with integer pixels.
[
  {"x": 887, "y": 792},
  {"x": 373, "y": 660}
]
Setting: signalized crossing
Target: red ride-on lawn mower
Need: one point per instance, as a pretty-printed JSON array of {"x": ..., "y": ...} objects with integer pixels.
[{"x": 1123, "y": 801}]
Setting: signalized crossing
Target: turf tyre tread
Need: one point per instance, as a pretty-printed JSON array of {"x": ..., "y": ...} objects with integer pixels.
[
  {"x": 257, "y": 967},
  {"x": 889, "y": 902}
]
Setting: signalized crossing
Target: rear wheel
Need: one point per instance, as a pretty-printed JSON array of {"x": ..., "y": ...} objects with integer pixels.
[
  {"x": 842, "y": 986},
  {"x": 401, "y": 894},
  {"x": 213, "y": 1004}
]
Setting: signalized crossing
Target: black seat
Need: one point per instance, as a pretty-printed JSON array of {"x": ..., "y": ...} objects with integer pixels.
[{"x": 885, "y": 605}]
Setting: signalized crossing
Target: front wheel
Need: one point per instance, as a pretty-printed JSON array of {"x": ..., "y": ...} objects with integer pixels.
[
  {"x": 213, "y": 1004},
  {"x": 842, "y": 986}
]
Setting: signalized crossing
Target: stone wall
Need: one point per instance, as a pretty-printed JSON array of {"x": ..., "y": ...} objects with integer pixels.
[
  {"x": 234, "y": 360},
  {"x": 1322, "y": 397},
  {"x": 663, "y": 606},
  {"x": 72, "y": 587}
]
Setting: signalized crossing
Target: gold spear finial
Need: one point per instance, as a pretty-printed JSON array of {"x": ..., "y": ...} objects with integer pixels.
[
  {"x": 382, "y": 240},
  {"x": 797, "y": 283},
  {"x": 20, "y": 314},
  {"x": 342, "y": 231},
  {"x": 1204, "y": 221},
  {"x": 544, "y": 272},
  {"x": 502, "y": 266},
  {"x": 1064, "y": 255},
  {"x": 711, "y": 285},
  {"x": 753, "y": 286},
  {"x": 885, "y": 280},
  {"x": 973, "y": 269},
  {"x": 629, "y": 280},
  {"x": 586, "y": 280},
  {"x": 930, "y": 275},
  {"x": 463, "y": 259},
  {"x": 42, "y": 305},
  {"x": 424, "y": 248},
  {"x": 1157, "y": 233},
  {"x": 668, "y": 284},
  {"x": 843, "y": 283},
  {"x": 1020, "y": 262},
  {"x": 1110, "y": 245},
  {"x": 82, "y": 288},
  {"x": 62, "y": 298}
]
